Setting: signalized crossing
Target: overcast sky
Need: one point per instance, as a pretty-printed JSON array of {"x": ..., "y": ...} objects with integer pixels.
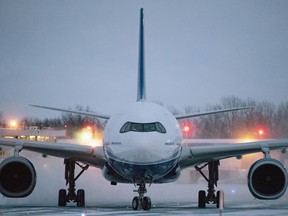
[{"x": 67, "y": 53}]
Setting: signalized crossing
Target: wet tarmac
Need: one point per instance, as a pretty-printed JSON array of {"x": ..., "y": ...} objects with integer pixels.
[
  {"x": 168, "y": 199},
  {"x": 232, "y": 208}
]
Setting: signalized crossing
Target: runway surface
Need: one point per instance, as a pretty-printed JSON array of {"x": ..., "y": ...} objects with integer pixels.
[
  {"x": 232, "y": 208},
  {"x": 168, "y": 199}
]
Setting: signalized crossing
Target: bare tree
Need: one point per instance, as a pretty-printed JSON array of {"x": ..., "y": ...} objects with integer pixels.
[
  {"x": 281, "y": 121},
  {"x": 2, "y": 119},
  {"x": 76, "y": 122},
  {"x": 233, "y": 124}
]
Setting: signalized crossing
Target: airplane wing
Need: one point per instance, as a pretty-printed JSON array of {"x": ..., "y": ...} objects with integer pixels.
[
  {"x": 191, "y": 115},
  {"x": 92, "y": 114},
  {"x": 87, "y": 154},
  {"x": 193, "y": 155}
]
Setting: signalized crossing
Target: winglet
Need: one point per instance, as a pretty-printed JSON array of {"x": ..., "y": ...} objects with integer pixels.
[{"x": 141, "y": 91}]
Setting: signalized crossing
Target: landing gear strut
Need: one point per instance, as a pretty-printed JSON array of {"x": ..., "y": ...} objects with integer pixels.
[
  {"x": 212, "y": 180},
  {"x": 70, "y": 178},
  {"x": 141, "y": 201}
]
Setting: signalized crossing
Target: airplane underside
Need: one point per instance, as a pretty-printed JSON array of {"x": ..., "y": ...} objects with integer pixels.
[
  {"x": 140, "y": 175},
  {"x": 150, "y": 173}
]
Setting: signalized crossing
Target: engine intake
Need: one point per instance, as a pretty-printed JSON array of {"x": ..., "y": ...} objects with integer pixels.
[
  {"x": 267, "y": 179},
  {"x": 17, "y": 177}
]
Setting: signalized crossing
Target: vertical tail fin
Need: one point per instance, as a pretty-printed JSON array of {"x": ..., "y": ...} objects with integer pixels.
[{"x": 141, "y": 91}]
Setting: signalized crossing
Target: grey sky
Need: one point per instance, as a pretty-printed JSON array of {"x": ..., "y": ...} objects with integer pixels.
[{"x": 64, "y": 53}]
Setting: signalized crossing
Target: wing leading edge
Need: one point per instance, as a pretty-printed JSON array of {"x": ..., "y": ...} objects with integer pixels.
[
  {"x": 198, "y": 154},
  {"x": 87, "y": 154},
  {"x": 210, "y": 112},
  {"x": 96, "y": 115}
]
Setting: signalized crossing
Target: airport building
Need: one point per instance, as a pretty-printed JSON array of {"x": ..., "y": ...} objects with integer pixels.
[
  {"x": 31, "y": 133},
  {"x": 34, "y": 133}
]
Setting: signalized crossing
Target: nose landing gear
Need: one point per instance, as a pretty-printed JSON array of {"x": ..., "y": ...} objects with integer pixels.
[{"x": 141, "y": 201}]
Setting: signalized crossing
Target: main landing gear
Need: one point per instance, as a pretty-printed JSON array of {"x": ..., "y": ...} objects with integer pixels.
[
  {"x": 70, "y": 178},
  {"x": 141, "y": 201},
  {"x": 212, "y": 180}
]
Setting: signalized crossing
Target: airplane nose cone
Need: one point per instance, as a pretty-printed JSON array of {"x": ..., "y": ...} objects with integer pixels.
[
  {"x": 148, "y": 162},
  {"x": 144, "y": 151},
  {"x": 142, "y": 156}
]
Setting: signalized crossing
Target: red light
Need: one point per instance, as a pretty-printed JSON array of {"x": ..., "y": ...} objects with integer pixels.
[
  {"x": 261, "y": 132},
  {"x": 186, "y": 128}
]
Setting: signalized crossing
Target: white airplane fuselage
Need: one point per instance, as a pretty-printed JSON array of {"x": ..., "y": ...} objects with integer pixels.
[{"x": 143, "y": 142}]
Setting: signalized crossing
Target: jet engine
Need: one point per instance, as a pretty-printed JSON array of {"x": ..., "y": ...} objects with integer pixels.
[
  {"x": 267, "y": 179},
  {"x": 17, "y": 177}
]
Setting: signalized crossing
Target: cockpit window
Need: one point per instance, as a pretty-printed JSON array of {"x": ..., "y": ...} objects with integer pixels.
[
  {"x": 160, "y": 128},
  {"x": 143, "y": 127},
  {"x": 136, "y": 127},
  {"x": 126, "y": 127}
]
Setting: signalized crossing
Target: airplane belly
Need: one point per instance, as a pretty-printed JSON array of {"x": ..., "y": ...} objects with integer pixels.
[{"x": 151, "y": 172}]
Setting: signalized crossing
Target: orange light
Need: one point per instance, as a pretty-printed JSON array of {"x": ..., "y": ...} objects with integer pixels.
[
  {"x": 89, "y": 136},
  {"x": 13, "y": 124},
  {"x": 86, "y": 136}
]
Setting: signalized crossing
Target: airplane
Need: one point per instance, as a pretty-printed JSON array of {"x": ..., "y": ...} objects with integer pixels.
[{"x": 142, "y": 145}]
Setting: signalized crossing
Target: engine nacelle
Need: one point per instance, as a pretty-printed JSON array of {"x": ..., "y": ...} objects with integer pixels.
[
  {"x": 17, "y": 177},
  {"x": 267, "y": 179}
]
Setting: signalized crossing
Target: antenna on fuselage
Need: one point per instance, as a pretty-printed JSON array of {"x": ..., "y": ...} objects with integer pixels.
[{"x": 141, "y": 91}]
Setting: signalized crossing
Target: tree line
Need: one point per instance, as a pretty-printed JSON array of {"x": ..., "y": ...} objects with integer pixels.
[
  {"x": 271, "y": 118},
  {"x": 71, "y": 122}
]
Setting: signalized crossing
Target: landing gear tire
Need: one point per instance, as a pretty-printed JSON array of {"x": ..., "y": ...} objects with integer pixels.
[
  {"x": 70, "y": 195},
  {"x": 136, "y": 203},
  {"x": 146, "y": 203},
  {"x": 202, "y": 199},
  {"x": 220, "y": 199},
  {"x": 80, "y": 198},
  {"x": 212, "y": 179},
  {"x": 62, "y": 197},
  {"x": 141, "y": 201}
]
